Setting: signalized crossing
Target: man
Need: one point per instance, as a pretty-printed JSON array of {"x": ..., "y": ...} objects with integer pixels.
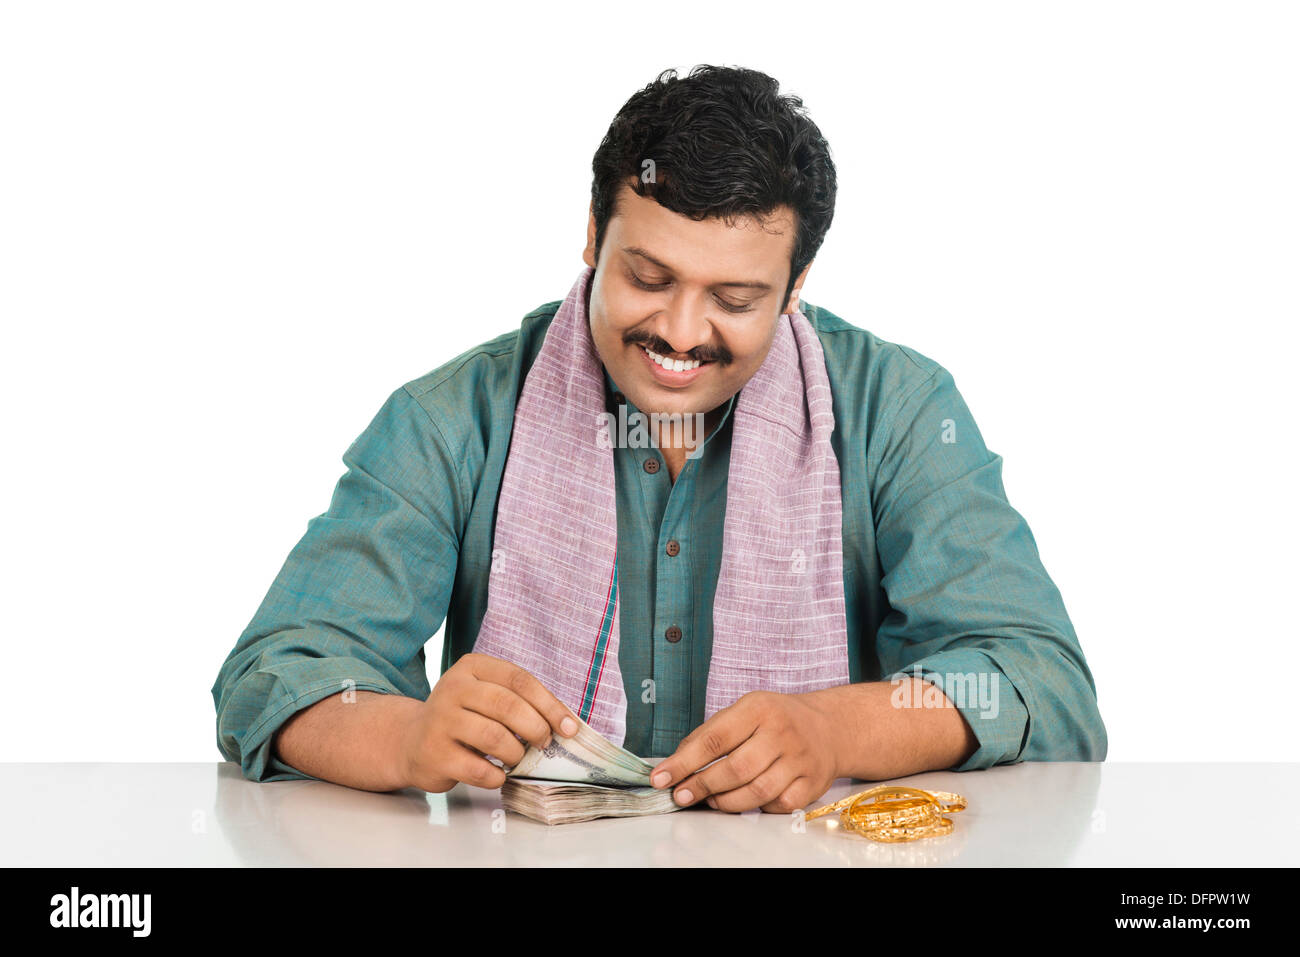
[{"x": 829, "y": 583}]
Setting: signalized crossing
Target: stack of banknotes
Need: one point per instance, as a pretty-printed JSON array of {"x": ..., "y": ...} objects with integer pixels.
[{"x": 582, "y": 778}]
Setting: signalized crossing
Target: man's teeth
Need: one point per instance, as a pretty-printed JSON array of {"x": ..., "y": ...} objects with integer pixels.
[{"x": 673, "y": 365}]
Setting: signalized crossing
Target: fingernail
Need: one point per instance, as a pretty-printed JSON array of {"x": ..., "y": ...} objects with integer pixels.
[
  {"x": 660, "y": 779},
  {"x": 712, "y": 803},
  {"x": 568, "y": 727},
  {"x": 685, "y": 797}
]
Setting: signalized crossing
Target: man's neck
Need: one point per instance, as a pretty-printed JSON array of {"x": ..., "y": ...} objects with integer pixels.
[{"x": 674, "y": 446}]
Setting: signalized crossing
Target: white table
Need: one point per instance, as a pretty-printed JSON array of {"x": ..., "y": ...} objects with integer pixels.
[{"x": 179, "y": 815}]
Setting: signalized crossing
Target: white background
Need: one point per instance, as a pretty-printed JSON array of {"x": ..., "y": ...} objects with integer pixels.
[{"x": 228, "y": 231}]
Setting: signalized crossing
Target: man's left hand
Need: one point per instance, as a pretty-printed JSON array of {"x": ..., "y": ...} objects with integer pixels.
[{"x": 777, "y": 751}]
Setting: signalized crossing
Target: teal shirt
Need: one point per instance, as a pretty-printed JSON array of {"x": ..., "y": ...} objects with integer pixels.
[
  {"x": 667, "y": 587},
  {"x": 941, "y": 574}
]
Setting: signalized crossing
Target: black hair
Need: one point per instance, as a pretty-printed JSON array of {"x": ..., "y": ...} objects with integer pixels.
[{"x": 725, "y": 143}]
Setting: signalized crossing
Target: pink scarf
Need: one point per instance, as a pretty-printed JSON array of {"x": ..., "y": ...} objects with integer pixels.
[{"x": 778, "y": 611}]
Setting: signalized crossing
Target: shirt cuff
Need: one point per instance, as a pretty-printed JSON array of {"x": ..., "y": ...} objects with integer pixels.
[
  {"x": 263, "y": 700},
  {"x": 986, "y": 697}
]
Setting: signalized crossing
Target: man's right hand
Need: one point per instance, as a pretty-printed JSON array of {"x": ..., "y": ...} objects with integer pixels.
[{"x": 476, "y": 710}]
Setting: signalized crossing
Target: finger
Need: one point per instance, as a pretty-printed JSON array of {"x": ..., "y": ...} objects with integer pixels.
[
  {"x": 461, "y": 765},
  {"x": 500, "y": 704},
  {"x": 476, "y": 770},
  {"x": 798, "y": 795},
  {"x": 766, "y": 789},
  {"x": 737, "y": 769},
  {"x": 714, "y": 738},
  {"x": 490, "y": 738},
  {"x": 525, "y": 685}
]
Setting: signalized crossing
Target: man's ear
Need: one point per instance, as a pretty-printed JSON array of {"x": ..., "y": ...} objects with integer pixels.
[
  {"x": 793, "y": 304},
  {"x": 589, "y": 254}
]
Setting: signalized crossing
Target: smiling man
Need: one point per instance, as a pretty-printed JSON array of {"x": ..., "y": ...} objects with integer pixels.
[{"x": 824, "y": 580}]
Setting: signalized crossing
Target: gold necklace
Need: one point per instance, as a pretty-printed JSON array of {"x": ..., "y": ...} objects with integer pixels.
[{"x": 893, "y": 813}]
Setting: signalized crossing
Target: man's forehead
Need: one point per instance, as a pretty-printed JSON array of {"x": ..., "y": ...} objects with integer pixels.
[{"x": 732, "y": 253}]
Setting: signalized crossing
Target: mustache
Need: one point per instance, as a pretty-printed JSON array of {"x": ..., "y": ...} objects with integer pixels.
[{"x": 662, "y": 348}]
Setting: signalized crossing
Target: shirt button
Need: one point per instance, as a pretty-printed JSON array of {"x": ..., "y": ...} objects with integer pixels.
[
  {"x": 673, "y": 547},
  {"x": 619, "y": 398},
  {"x": 652, "y": 465},
  {"x": 673, "y": 634}
]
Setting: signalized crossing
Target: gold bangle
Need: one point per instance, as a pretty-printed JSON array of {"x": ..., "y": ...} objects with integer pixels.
[{"x": 892, "y": 813}]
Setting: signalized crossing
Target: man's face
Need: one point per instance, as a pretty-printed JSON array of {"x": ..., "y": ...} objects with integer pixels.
[{"x": 716, "y": 297}]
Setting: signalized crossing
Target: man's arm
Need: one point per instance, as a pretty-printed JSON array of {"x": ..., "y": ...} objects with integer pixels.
[
  {"x": 876, "y": 738},
  {"x": 352, "y": 607},
  {"x": 329, "y": 681},
  {"x": 973, "y": 609},
  {"x": 482, "y": 706},
  {"x": 781, "y": 751},
  {"x": 353, "y": 741}
]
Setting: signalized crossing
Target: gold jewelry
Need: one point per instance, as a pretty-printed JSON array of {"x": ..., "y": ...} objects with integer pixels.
[{"x": 893, "y": 813}]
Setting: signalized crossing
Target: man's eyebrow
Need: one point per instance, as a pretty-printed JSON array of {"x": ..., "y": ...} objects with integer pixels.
[{"x": 753, "y": 284}]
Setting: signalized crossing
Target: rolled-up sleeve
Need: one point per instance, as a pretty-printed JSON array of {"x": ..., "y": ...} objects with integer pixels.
[
  {"x": 972, "y": 609},
  {"x": 358, "y": 597}
]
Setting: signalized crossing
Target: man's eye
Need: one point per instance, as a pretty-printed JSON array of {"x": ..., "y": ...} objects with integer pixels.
[
  {"x": 638, "y": 281},
  {"x": 732, "y": 307},
  {"x": 656, "y": 286}
]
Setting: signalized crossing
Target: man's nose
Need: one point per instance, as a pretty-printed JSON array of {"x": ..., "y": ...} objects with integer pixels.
[{"x": 686, "y": 326}]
